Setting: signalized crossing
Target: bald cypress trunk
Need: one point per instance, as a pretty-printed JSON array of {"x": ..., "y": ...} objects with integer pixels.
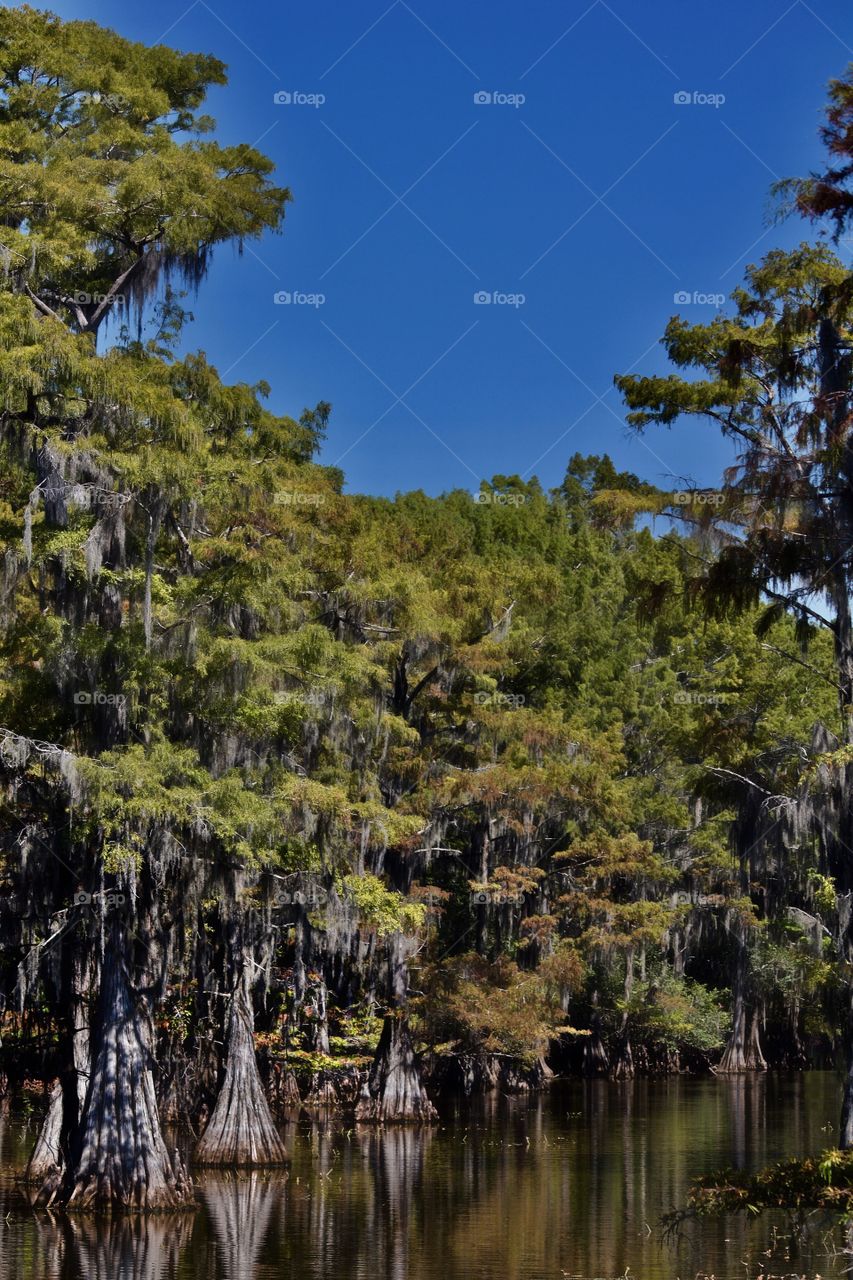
[
  {"x": 241, "y": 1130},
  {"x": 623, "y": 1064},
  {"x": 743, "y": 1049},
  {"x": 46, "y": 1162},
  {"x": 843, "y": 871},
  {"x": 117, "y": 1158},
  {"x": 845, "y": 1136},
  {"x": 595, "y": 1058},
  {"x": 291, "y": 1097},
  {"x": 394, "y": 1091},
  {"x": 835, "y": 384},
  {"x": 318, "y": 1026}
]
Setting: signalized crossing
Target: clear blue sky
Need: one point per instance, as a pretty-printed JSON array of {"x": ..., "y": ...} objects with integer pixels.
[{"x": 597, "y": 199}]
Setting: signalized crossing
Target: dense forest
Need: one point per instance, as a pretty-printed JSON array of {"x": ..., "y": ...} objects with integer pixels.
[{"x": 311, "y": 798}]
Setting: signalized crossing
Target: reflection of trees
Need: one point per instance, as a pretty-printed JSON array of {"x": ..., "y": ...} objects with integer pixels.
[
  {"x": 240, "y": 1208},
  {"x": 67, "y": 1247},
  {"x": 574, "y": 1182},
  {"x": 356, "y": 1203},
  {"x": 130, "y": 1246},
  {"x": 580, "y": 1186},
  {"x": 44, "y": 1251},
  {"x": 396, "y": 1162},
  {"x": 746, "y": 1095}
]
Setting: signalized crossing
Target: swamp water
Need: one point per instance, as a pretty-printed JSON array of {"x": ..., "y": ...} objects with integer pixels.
[{"x": 569, "y": 1183}]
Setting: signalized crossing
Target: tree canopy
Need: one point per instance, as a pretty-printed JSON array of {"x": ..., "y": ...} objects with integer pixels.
[{"x": 483, "y": 785}]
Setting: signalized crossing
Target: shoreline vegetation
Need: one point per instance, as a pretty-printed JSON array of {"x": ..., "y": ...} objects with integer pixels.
[{"x": 325, "y": 799}]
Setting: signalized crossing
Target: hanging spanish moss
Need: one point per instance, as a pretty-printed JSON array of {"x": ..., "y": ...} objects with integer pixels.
[{"x": 311, "y": 801}]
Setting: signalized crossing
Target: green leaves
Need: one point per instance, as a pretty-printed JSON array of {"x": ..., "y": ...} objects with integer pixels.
[
  {"x": 107, "y": 194},
  {"x": 255, "y": 674}
]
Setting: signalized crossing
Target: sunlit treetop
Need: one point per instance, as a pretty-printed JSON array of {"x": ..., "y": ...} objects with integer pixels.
[{"x": 108, "y": 184}]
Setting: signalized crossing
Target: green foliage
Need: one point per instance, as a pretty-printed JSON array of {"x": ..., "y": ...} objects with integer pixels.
[
  {"x": 676, "y": 1013},
  {"x": 819, "y": 1183},
  {"x": 221, "y": 674},
  {"x": 108, "y": 183},
  {"x": 487, "y": 1008},
  {"x": 382, "y": 910}
]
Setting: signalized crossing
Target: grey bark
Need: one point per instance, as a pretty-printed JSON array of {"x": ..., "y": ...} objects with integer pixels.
[
  {"x": 394, "y": 1091},
  {"x": 46, "y": 1161},
  {"x": 118, "y": 1158},
  {"x": 241, "y": 1130},
  {"x": 743, "y": 1050}
]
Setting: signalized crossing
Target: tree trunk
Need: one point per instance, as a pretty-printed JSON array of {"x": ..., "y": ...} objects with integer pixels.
[
  {"x": 394, "y": 1091},
  {"x": 241, "y": 1131},
  {"x": 318, "y": 1024},
  {"x": 290, "y": 1095},
  {"x": 46, "y": 1162},
  {"x": 322, "y": 1091},
  {"x": 117, "y": 1156},
  {"x": 283, "y": 1090},
  {"x": 623, "y": 1064},
  {"x": 835, "y": 383},
  {"x": 743, "y": 1050},
  {"x": 595, "y": 1059}
]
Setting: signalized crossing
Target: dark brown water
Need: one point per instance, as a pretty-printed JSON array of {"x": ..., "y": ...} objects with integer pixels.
[{"x": 570, "y": 1184}]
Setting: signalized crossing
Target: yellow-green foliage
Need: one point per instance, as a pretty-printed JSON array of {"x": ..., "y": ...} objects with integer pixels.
[{"x": 381, "y": 910}]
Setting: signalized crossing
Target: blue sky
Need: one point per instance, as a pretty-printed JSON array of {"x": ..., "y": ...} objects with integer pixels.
[{"x": 579, "y": 211}]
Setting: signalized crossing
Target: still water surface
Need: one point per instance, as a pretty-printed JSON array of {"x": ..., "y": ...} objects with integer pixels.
[{"x": 569, "y": 1184}]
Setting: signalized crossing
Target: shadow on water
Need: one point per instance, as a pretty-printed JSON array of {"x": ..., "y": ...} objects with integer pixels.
[{"x": 571, "y": 1183}]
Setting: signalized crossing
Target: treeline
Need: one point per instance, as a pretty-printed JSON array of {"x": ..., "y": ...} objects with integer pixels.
[{"x": 311, "y": 796}]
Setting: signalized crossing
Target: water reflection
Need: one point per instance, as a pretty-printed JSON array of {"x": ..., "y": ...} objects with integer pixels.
[
  {"x": 240, "y": 1208},
  {"x": 572, "y": 1183},
  {"x": 132, "y": 1248}
]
